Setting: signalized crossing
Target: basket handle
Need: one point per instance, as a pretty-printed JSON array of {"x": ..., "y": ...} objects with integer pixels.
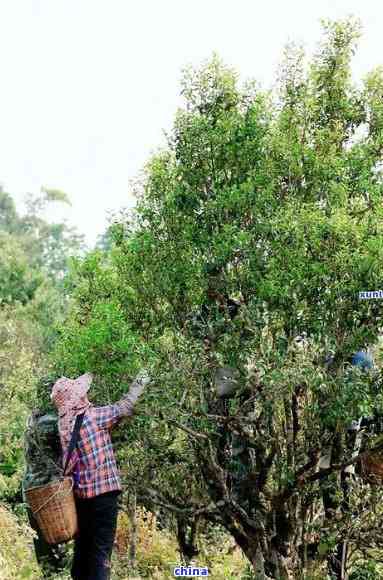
[{"x": 54, "y": 495}]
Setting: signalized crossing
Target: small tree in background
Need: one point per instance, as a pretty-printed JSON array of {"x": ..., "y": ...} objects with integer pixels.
[{"x": 33, "y": 260}]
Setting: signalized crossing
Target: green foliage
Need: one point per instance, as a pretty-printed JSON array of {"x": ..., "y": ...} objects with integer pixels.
[
  {"x": 47, "y": 245},
  {"x": 8, "y": 213},
  {"x": 255, "y": 227},
  {"x": 52, "y": 194},
  {"x": 18, "y": 282},
  {"x": 366, "y": 571},
  {"x": 20, "y": 361},
  {"x": 31, "y": 304},
  {"x": 17, "y": 561}
]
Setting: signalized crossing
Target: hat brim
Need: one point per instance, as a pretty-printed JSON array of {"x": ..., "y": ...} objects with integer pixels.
[{"x": 83, "y": 383}]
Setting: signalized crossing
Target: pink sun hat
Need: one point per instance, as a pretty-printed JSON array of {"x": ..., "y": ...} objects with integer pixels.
[{"x": 67, "y": 392}]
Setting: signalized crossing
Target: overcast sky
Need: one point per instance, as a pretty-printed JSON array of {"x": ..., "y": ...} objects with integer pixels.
[{"x": 87, "y": 86}]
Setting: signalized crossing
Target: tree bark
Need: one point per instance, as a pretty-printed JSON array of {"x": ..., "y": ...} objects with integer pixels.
[
  {"x": 187, "y": 531},
  {"x": 133, "y": 534}
]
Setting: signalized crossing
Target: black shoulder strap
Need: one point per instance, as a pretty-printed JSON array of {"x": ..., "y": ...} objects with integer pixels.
[{"x": 74, "y": 438}]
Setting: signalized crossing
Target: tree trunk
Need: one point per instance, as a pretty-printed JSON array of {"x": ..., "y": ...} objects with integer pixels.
[
  {"x": 267, "y": 559},
  {"x": 187, "y": 531},
  {"x": 269, "y": 564},
  {"x": 133, "y": 528}
]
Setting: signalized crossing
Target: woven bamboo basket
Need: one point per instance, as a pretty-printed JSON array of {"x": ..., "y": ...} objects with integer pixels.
[
  {"x": 54, "y": 508},
  {"x": 372, "y": 467}
]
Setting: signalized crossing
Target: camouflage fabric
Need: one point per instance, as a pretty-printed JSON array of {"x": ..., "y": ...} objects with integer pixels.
[{"x": 42, "y": 450}]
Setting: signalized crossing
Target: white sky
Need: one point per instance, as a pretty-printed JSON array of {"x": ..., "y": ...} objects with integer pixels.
[{"x": 87, "y": 86}]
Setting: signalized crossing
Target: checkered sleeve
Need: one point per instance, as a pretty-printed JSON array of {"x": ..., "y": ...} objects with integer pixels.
[{"x": 109, "y": 415}]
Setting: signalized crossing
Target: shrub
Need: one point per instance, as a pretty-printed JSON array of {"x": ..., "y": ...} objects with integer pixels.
[{"x": 16, "y": 555}]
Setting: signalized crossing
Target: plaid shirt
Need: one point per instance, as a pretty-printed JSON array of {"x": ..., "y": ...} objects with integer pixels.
[{"x": 93, "y": 464}]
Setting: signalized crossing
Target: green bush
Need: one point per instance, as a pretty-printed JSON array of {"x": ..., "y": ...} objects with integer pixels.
[{"x": 366, "y": 571}]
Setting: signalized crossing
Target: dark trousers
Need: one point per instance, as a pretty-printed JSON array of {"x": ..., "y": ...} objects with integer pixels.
[{"x": 97, "y": 518}]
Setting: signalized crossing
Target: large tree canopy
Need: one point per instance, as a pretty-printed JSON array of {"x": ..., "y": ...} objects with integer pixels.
[{"x": 238, "y": 272}]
